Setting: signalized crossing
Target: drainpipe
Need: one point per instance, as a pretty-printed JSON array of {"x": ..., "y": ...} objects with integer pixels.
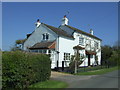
[{"x": 57, "y": 53}]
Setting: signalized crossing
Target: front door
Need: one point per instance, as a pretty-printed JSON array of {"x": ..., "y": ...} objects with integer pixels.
[{"x": 88, "y": 59}]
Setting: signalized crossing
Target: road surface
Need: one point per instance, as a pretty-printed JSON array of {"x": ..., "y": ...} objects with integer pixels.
[{"x": 109, "y": 80}]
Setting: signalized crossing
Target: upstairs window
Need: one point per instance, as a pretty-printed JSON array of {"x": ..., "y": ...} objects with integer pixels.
[
  {"x": 66, "y": 56},
  {"x": 96, "y": 45},
  {"x": 81, "y": 41},
  {"x": 45, "y": 36}
]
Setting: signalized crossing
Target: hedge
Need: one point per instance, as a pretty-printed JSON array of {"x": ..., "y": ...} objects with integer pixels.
[{"x": 21, "y": 69}]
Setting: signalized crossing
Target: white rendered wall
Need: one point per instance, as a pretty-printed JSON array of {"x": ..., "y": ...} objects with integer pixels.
[{"x": 66, "y": 46}]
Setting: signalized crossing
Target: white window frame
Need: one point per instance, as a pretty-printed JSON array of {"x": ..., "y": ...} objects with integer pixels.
[
  {"x": 96, "y": 45},
  {"x": 45, "y": 36},
  {"x": 81, "y": 41},
  {"x": 66, "y": 56}
]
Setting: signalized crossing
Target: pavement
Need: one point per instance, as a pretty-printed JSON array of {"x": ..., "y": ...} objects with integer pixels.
[{"x": 109, "y": 80}]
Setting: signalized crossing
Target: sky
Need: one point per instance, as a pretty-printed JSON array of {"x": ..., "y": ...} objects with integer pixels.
[{"x": 18, "y": 19}]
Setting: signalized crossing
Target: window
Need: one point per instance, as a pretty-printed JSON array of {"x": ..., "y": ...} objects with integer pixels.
[
  {"x": 91, "y": 56},
  {"x": 66, "y": 56},
  {"x": 45, "y": 36},
  {"x": 35, "y": 51},
  {"x": 44, "y": 51},
  {"x": 96, "y": 45},
  {"x": 87, "y": 41},
  {"x": 81, "y": 41},
  {"x": 49, "y": 51},
  {"x": 40, "y": 51}
]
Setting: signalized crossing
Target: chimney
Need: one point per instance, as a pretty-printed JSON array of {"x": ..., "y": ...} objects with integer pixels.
[
  {"x": 64, "y": 20},
  {"x": 37, "y": 23},
  {"x": 91, "y": 31}
]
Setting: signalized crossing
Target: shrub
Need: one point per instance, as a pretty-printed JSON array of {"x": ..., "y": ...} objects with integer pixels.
[{"x": 21, "y": 69}]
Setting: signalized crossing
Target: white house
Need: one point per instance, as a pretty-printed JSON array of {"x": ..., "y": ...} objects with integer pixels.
[{"x": 59, "y": 43}]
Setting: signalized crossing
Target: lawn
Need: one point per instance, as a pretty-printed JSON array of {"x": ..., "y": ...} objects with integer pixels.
[
  {"x": 50, "y": 84},
  {"x": 98, "y": 72}
]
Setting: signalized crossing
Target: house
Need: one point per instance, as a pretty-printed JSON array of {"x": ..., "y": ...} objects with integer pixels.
[{"x": 60, "y": 44}]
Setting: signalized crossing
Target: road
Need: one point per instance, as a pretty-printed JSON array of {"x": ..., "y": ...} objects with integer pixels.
[{"x": 109, "y": 80}]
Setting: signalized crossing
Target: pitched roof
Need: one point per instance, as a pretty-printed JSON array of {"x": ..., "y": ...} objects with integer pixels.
[
  {"x": 43, "y": 45},
  {"x": 90, "y": 52},
  {"x": 78, "y": 47},
  {"x": 80, "y": 31},
  {"x": 59, "y": 31}
]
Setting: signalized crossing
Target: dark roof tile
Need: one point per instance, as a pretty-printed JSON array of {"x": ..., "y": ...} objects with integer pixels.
[
  {"x": 80, "y": 31},
  {"x": 59, "y": 31}
]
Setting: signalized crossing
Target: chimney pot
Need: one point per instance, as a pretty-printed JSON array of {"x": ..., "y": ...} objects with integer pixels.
[
  {"x": 64, "y": 20},
  {"x": 91, "y": 31},
  {"x": 37, "y": 23}
]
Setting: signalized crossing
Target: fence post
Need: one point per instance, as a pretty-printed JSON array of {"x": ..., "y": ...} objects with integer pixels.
[{"x": 62, "y": 65}]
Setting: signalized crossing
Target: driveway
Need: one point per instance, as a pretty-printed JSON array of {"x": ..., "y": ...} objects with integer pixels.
[{"x": 109, "y": 80}]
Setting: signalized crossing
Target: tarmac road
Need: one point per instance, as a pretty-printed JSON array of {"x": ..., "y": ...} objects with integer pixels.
[{"x": 109, "y": 80}]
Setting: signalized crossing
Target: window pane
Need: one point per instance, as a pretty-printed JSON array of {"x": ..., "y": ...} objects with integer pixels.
[
  {"x": 47, "y": 36},
  {"x": 40, "y": 51},
  {"x": 43, "y": 36},
  {"x": 44, "y": 51},
  {"x": 66, "y": 56},
  {"x": 81, "y": 40},
  {"x": 49, "y": 51}
]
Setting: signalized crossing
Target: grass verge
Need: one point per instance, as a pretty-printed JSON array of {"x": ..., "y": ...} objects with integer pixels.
[
  {"x": 49, "y": 84},
  {"x": 98, "y": 72}
]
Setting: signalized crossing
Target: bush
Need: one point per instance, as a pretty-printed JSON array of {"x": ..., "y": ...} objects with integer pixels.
[{"x": 21, "y": 69}]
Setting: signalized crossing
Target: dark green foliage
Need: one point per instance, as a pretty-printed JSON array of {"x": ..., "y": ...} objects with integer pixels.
[
  {"x": 106, "y": 52},
  {"x": 21, "y": 69},
  {"x": 110, "y": 55},
  {"x": 20, "y": 41},
  {"x": 96, "y": 59}
]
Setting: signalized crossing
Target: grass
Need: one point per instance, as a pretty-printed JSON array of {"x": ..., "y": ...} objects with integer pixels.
[
  {"x": 49, "y": 84},
  {"x": 90, "y": 68},
  {"x": 98, "y": 72}
]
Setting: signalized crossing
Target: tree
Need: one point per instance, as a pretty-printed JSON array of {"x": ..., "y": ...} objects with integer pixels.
[
  {"x": 106, "y": 53},
  {"x": 96, "y": 59},
  {"x": 114, "y": 59},
  {"x": 76, "y": 59},
  {"x": 18, "y": 45},
  {"x": 20, "y": 42},
  {"x": 111, "y": 54}
]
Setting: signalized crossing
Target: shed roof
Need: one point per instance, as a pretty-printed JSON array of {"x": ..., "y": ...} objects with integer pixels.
[{"x": 44, "y": 45}]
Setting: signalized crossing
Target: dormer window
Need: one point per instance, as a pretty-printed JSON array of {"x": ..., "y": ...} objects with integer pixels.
[{"x": 45, "y": 36}]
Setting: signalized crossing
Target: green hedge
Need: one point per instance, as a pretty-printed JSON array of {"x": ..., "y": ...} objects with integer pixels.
[{"x": 21, "y": 69}]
